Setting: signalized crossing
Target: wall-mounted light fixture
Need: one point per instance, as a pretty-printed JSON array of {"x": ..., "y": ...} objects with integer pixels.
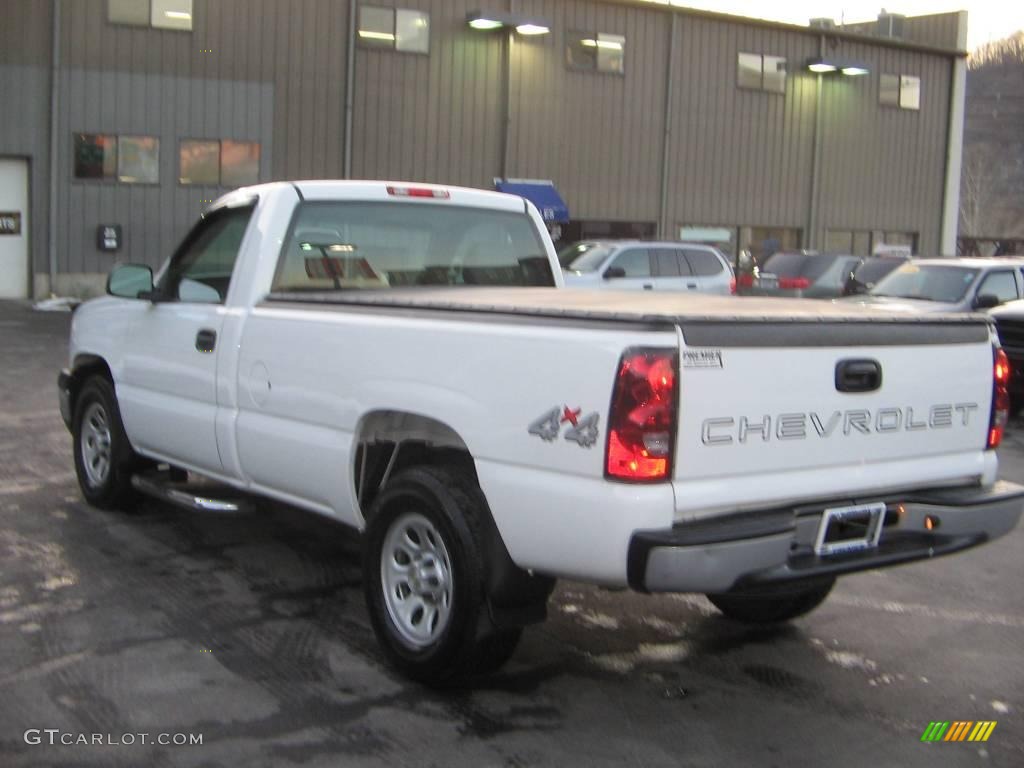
[
  {"x": 524, "y": 25},
  {"x": 824, "y": 65}
]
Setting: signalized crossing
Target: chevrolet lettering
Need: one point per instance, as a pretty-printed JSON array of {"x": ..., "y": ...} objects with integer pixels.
[{"x": 801, "y": 426}]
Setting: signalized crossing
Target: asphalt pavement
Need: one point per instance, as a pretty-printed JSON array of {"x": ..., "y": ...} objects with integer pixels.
[{"x": 250, "y": 632}]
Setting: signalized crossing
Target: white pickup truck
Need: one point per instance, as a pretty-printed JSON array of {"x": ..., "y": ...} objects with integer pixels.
[{"x": 402, "y": 358}]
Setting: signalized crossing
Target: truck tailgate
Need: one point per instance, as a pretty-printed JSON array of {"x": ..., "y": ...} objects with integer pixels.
[{"x": 767, "y": 410}]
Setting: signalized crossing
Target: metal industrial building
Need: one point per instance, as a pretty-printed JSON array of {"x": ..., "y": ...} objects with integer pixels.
[{"x": 122, "y": 119}]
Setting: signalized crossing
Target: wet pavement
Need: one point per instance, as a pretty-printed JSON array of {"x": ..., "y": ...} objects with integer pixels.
[{"x": 250, "y": 631}]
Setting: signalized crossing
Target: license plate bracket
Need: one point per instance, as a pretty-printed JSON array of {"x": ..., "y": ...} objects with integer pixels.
[{"x": 849, "y": 529}]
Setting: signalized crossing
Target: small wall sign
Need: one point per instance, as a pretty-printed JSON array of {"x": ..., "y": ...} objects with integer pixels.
[
  {"x": 108, "y": 237},
  {"x": 10, "y": 222}
]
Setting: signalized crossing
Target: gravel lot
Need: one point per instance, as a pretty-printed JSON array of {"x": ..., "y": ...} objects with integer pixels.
[{"x": 251, "y": 631}]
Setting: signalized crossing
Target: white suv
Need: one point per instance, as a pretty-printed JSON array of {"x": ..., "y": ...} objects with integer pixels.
[{"x": 646, "y": 265}]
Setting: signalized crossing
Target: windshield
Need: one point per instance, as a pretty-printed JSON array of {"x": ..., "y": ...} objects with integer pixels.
[
  {"x": 584, "y": 257},
  {"x": 931, "y": 282},
  {"x": 363, "y": 245},
  {"x": 873, "y": 270}
]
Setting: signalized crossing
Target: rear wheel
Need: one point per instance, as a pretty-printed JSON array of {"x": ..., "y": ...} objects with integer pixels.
[
  {"x": 104, "y": 459},
  {"x": 423, "y": 576},
  {"x": 772, "y": 605}
]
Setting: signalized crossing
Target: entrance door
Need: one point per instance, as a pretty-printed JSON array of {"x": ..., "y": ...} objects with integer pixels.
[{"x": 13, "y": 229}]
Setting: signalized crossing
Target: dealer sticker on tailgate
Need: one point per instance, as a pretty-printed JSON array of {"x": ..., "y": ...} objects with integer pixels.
[{"x": 702, "y": 358}]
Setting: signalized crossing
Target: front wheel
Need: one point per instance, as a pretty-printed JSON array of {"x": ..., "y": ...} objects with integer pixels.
[
  {"x": 772, "y": 605},
  {"x": 423, "y": 576},
  {"x": 104, "y": 459}
]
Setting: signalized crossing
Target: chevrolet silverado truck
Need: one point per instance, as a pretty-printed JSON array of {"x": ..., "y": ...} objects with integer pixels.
[{"x": 403, "y": 359}]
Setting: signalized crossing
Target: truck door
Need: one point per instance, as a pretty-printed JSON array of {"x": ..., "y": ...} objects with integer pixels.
[{"x": 167, "y": 388}]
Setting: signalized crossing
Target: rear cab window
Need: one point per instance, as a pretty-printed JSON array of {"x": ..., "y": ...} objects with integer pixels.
[{"x": 373, "y": 245}]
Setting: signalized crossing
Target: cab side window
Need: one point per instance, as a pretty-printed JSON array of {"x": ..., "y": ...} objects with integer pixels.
[
  {"x": 200, "y": 271},
  {"x": 1002, "y": 285},
  {"x": 636, "y": 262}
]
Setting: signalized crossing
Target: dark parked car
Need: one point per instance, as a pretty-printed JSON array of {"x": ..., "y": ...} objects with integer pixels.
[
  {"x": 810, "y": 275},
  {"x": 870, "y": 271}
]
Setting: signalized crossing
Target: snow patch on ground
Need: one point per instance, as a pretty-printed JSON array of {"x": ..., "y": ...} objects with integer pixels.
[{"x": 646, "y": 653}]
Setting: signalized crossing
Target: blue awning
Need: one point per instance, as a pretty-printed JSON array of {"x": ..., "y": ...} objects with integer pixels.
[{"x": 541, "y": 193}]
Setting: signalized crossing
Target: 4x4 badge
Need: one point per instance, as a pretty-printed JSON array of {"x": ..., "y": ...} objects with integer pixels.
[{"x": 582, "y": 431}]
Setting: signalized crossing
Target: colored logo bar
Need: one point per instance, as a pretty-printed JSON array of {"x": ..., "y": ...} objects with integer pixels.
[{"x": 958, "y": 730}]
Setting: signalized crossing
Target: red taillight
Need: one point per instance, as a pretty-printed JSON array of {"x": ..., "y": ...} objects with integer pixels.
[
  {"x": 745, "y": 281},
  {"x": 732, "y": 286},
  {"x": 642, "y": 421},
  {"x": 794, "y": 283},
  {"x": 1000, "y": 398},
  {"x": 441, "y": 194}
]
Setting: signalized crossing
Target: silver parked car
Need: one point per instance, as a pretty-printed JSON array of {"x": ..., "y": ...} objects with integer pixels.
[
  {"x": 646, "y": 265},
  {"x": 947, "y": 285}
]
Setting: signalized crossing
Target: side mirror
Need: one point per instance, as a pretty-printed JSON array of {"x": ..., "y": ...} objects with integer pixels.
[
  {"x": 613, "y": 272},
  {"x": 986, "y": 301},
  {"x": 129, "y": 281}
]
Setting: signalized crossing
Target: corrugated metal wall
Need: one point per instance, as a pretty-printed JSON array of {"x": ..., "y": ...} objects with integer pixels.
[
  {"x": 597, "y": 135},
  {"x": 274, "y": 72},
  {"x": 433, "y": 117},
  {"x": 739, "y": 157},
  {"x": 883, "y": 168},
  {"x": 25, "y": 44}
]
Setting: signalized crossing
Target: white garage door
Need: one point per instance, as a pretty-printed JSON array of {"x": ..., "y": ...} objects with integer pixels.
[{"x": 13, "y": 229}]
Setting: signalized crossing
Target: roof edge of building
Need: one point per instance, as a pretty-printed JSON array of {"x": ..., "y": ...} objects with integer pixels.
[{"x": 838, "y": 33}]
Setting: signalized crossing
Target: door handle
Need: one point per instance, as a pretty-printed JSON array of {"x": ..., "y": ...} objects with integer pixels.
[
  {"x": 206, "y": 340},
  {"x": 691, "y": 285},
  {"x": 648, "y": 287}
]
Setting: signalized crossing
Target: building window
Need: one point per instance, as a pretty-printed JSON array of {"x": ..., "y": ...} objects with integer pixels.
[
  {"x": 903, "y": 91},
  {"x": 596, "y": 51},
  {"x": 95, "y": 156},
  {"x": 851, "y": 241},
  {"x": 762, "y": 242},
  {"x": 161, "y": 14},
  {"x": 199, "y": 162},
  {"x": 138, "y": 159},
  {"x": 219, "y": 163},
  {"x": 761, "y": 72},
  {"x": 394, "y": 28},
  {"x": 133, "y": 12},
  {"x": 723, "y": 238},
  {"x": 893, "y": 241},
  {"x": 239, "y": 163}
]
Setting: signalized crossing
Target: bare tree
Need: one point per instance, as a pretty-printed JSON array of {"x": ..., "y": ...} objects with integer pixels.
[{"x": 979, "y": 179}]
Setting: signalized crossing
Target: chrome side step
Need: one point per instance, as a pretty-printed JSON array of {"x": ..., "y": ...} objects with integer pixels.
[{"x": 181, "y": 495}]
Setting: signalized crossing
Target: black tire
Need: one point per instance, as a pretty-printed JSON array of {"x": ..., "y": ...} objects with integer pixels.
[
  {"x": 774, "y": 605},
  {"x": 423, "y": 556},
  {"x": 104, "y": 483}
]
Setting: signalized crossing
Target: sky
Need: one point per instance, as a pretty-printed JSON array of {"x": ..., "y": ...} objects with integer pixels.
[{"x": 987, "y": 20}]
